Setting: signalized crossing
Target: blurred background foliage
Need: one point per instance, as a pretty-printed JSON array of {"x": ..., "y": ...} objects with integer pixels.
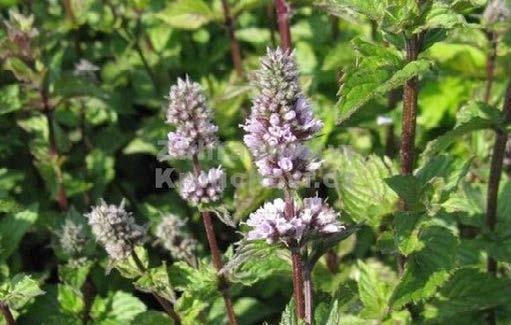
[{"x": 82, "y": 115}]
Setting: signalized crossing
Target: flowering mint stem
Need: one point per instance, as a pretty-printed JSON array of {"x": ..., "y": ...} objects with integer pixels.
[
  {"x": 9, "y": 319},
  {"x": 165, "y": 304},
  {"x": 215, "y": 252},
  {"x": 298, "y": 285},
  {"x": 490, "y": 65},
  {"x": 410, "y": 96},
  {"x": 308, "y": 290},
  {"x": 493, "y": 184},
  {"x": 53, "y": 150},
  {"x": 283, "y": 17},
  {"x": 235, "y": 46}
]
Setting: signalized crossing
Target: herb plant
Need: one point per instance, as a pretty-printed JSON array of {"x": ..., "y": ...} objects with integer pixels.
[{"x": 255, "y": 162}]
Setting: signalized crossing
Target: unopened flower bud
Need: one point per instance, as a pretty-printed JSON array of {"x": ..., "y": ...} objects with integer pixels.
[{"x": 188, "y": 112}]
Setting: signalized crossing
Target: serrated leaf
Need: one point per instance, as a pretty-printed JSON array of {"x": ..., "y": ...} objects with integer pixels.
[
  {"x": 359, "y": 180},
  {"x": 473, "y": 117},
  {"x": 70, "y": 299},
  {"x": 373, "y": 9},
  {"x": 186, "y": 14},
  {"x": 428, "y": 268},
  {"x": 156, "y": 280},
  {"x": 374, "y": 78},
  {"x": 118, "y": 307},
  {"x": 75, "y": 275},
  {"x": 439, "y": 15},
  {"x": 17, "y": 291},
  {"x": 247, "y": 266},
  {"x": 129, "y": 268},
  {"x": 468, "y": 290},
  {"x": 289, "y": 315},
  {"x": 374, "y": 289},
  {"x": 408, "y": 188},
  {"x": 407, "y": 231}
]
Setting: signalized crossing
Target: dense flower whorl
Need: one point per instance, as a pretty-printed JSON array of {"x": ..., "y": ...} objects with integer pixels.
[
  {"x": 280, "y": 113},
  {"x": 312, "y": 217},
  {"x": 115, "y": 229},
  {"x": 72, "y": 238},
  {"x": 188, "y": 111},
  {"x": 290, "y": 164},
  {"x": 280, "y": 119},
  {"x": 173, "y": 236},
  {"x": 203, "y": 189},
  {"x": 496, "y": 11}
]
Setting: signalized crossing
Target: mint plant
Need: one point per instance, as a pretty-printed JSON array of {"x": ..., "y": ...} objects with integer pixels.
[{"x": 284, "y": 120}]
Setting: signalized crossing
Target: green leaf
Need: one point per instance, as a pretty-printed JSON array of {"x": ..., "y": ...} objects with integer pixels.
[
  {"x": 152, "y": 317},
  {"x": 428, "y": 268},
  {"x": 118, "y": 308},
  {"x": 374, "y": 9},
  {"x": 12, "y": 229},
  {"x": 70, "y": 299},
  {"x": 375, "y": 76},
  {"x": 129, "y": 268},
  {"x": 408, "y": 188},
  {"x": 407, "y": 231},
  {"x": 186, "y": 14},
  {"x": 359, "y": 181},
  {"x": 20, "y": 70},
  {"x": 156, "y": 280},
  {"x": 9, "y": 99},
  {"x": 248, "y": 265},
  {"x": 473, "y": 117},
  {"x": 100, "y": 168},
  {"x": 74, "y": 275},
  {"x": 375, "y": 284},
  {"x": 17, "y": 291},
  {"x": 289, "y": 315},
  {"x": 468, "y": 290},
  {"x": 198, "y": 286},
  {"x": 439, "y": 15}
]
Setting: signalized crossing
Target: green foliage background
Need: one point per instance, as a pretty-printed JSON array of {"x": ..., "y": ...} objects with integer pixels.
[{"x": 109, "y": 127}]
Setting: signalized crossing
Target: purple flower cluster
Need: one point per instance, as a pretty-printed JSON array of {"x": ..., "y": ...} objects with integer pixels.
[
  {"x": 188, "y": 111},
  {"x": 203, "y": 189},
  {"x": 115, "y": 229},
  {"x": 312, "y": 217},
  {"x": 496, "y": 11},
  {"x": 281, "y": 118}
]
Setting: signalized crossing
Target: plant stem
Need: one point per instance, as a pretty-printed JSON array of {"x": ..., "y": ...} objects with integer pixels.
[
  {"x": 53, "y": 149},
  {"x": 497, "y": 161},
  {"x": 283, "y": 17},
  {"x": 410, "y": 97},
  {"x": 235, "y": 46},
  {"x": 9, "y": 319},
  {"x": 490, "y": 65},
  {"x": 308, "y": 291},
  {"x": 298, "y": 284},
  {"x": 223, "y": 284},
  {"x": 165, "y": 304}
]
